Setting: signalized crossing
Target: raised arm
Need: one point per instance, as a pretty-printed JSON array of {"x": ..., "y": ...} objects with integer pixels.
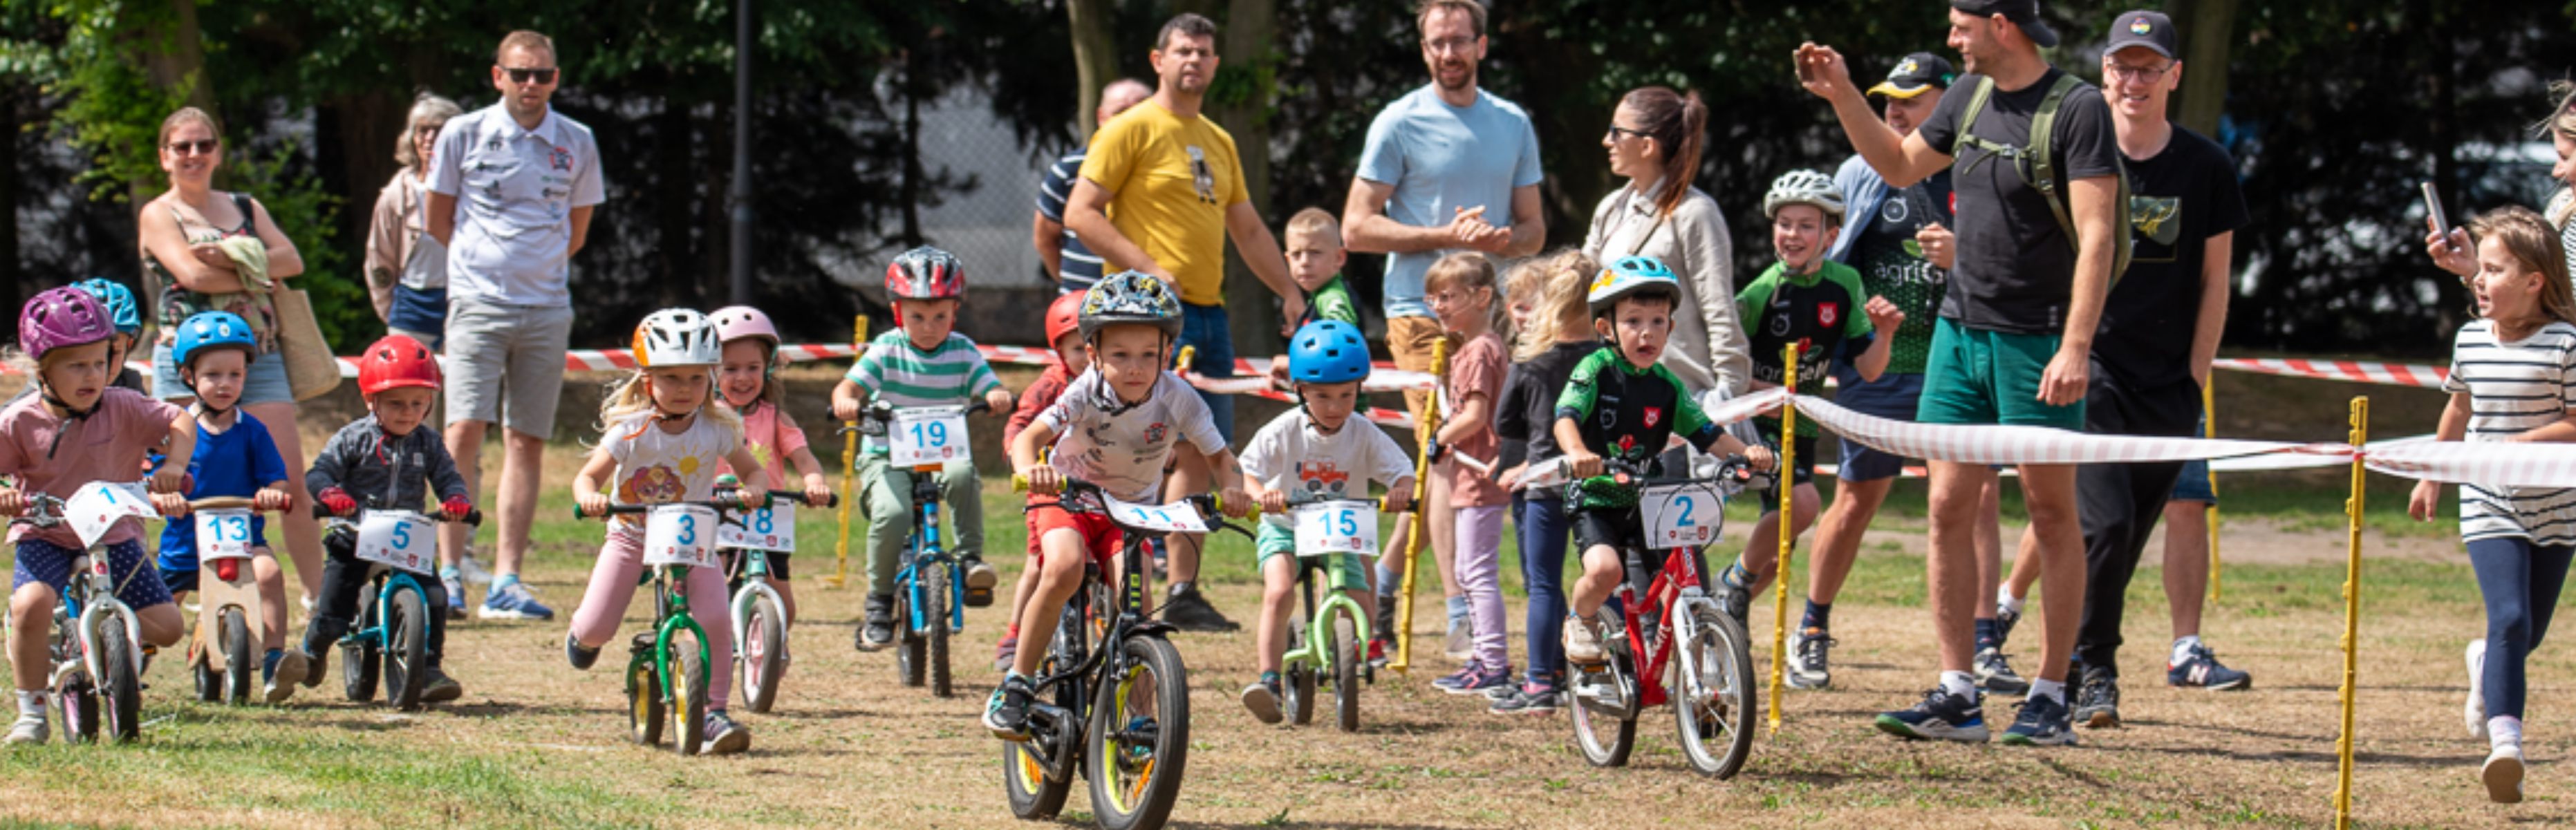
[{"x": 1901, "y": 160}]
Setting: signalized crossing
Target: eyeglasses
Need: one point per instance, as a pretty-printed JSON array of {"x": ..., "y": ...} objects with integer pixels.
[
  {"x": 428, "y": 129},
  {"x": 1616, "y": 131},
  {"x": 1450, "y": 44},
  {"x": 521, "y": 76},
  {"x": 202, "y": 147},
  {"x": 2143, "y": 74}
]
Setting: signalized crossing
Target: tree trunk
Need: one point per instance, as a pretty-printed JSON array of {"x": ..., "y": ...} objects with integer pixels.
[
  {"x": 1250, "y": 28},
  {"x": 182, "y": 66},
  {"x": 353, "y": 142},
  {"x": 1095, "y": 57},
  {"x": 2209, "y": 30}
]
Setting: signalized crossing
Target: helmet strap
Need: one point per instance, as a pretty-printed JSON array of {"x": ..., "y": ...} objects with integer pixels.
[{"x": 70, "y": 415}]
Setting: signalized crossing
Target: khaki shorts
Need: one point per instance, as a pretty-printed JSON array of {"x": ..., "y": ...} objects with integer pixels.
[
  {"x": 1410, "y": 338},
  {"x": 505, "y": 363}
]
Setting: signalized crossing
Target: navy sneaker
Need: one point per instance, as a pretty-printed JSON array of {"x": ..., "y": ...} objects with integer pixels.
[
  {"x": 1527, "y": 700},
  {"x": 2043, "y": 721},
  {"x": 455, "y": 596},
  {"x": 1995, "y": 673},
  {"x": 2097, "y": 699},
  {"x": 1262, "y": 699},
  {"x": 1940, "y": 715},
  {"x": 579, "y": 656},
  {"x": 2201, "y": 669},
  {"x": 1808, "y": 666},
  {"x": 1006, "y": 715},
  {"x": 1476, "y": 680},
  {"x": 513, "y": 602}
]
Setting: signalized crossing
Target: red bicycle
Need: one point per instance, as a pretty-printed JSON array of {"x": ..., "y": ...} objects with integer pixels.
[{"x": 1674, "y": 643}]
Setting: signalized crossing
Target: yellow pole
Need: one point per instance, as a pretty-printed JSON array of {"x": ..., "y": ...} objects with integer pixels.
[
  {"x": 1788, "y": 539},
  {"x": 849, "y": 471},
  {"x": 2209, "y": 420},
  {"x": 1424, "y": 429},
  {"x": 2351, "y": 618}
]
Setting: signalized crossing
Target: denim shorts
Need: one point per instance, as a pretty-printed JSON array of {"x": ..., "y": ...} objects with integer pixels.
[
  {"x": 1891, "y": 396},
  {"x": 1204, "y": 327},
  {"x": 265, "y": 383}
]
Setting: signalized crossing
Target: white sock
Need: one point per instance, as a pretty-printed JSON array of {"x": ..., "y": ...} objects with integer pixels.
[
  {"x": 2051, "y": 689},
  {"x": 2005, "y": 601},
  {"x": 2182, "y": 647},
  {"x": 2504, "y": 730},
  {"x": 31, "y": 704},
  {"x": 1959, "y": 683}
]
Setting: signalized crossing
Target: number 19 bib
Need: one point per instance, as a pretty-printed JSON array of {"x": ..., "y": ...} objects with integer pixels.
[{"x": 927, "y": 435}]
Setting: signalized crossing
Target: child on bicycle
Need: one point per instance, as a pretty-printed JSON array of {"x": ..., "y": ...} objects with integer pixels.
[
  {"x": 749, "y": 380},
  {"x": 924, "y": 362},
  {"x": 1114, "y": 427},
  {"x": 1620, "y": 402},
  {"x": 1320, "y": 450},
  {"x": 1064, "y": 332},
  {"x": 663, "y": 432},
  {"x": 1807, "y": 299},
  {"x": 1554, "y": 336},
  {"x": 122, "y": 313},
  {"x": 383, "y": 461},
  {"x": 78, "y": 429},
  {"x": 234, "y": 456},
  {"x": 1462, "y": 294}
]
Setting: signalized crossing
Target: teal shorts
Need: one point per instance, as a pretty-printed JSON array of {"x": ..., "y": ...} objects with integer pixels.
[
  {"x": 1344, "y": 570},
  {"x": 1990, "y": 377}
]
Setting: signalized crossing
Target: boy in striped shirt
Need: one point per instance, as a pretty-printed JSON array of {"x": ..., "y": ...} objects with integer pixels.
[{"x": 924, "y": 362}]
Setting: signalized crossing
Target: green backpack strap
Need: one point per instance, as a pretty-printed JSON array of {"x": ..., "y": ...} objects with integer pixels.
[
  {"x": 1968, "y": 131},
  {"x": 2043, "y": 178}
]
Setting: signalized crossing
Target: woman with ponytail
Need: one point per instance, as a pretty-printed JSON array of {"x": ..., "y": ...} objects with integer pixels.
[
  {"x": 2450, "y": 247},
  {"x": 1654, "y": 142}
]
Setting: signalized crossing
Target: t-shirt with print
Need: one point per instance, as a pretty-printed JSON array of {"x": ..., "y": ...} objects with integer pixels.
[
  {"x": 50, "y": 455},
  {"x": 900, "y": 373},
  {"x": 1892, "y": 265},
  {"x": 1290, "y": 454},
  {"x": 1526, "y": 416},
  {"x": 2515, "y": 387},
  {"x": 1170, "y": 183},
  {"x": 1121, "y": 447},
  {"x": 770, "y": 438},
  {"x": 655, "y": 465},
  {"x": 1477, "y": 369},
  {"x": 1629, "y": 414},
  {"x": 235, "y": 462},
  {"x": 515, "y": 190},
  {"x": 2178, "y": 200},
  {"x": 1442, "y": 159},
  {"x": 1080, "y": 267},
  {"x": 1821, "y": 311},
  {"x": 2015, "y": 270},
  {"x": 1331, "y": 301}
]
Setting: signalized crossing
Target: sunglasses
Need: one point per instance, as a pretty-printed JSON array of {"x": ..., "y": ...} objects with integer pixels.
[
  {"x": 202, "y": 147},
  {"x": 521, "y": 76},
  {"x": 1616, "y": 131}
]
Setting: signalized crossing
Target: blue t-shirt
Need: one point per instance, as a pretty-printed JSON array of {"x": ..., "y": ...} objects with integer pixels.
[
  {"x": 1441, "y": 158},
  {"x": 1081, "y": 266},
  {"x": 236, "y": 462}
]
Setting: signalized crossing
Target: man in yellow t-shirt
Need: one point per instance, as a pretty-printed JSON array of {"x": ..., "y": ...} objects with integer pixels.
[{"x": 1161, "y": 190}]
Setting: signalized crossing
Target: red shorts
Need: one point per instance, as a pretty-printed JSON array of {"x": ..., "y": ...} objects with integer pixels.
[{"x": 1100, "y": 537}]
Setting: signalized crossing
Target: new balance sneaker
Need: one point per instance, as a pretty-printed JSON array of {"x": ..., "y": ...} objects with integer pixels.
[
  {"x": 1006, "y": 715},
  {"x": 1940, "y": 715},
  {"x": 1006, "y": 651},
  {"x": 2043, "y": 721},
  {"x": 2200, "y": 668},
  {"x": 1188, "y": 610},
  {"x": 878, "y": 628},
  {"x": 1527, "y": 700},
  {"x": 1262, "y": 699},
  {"x": 724, "y": 736},
  {"x": 1808, "y": 668},
  {"x": 513, "y": 602},
  {"x": 2502, "y": 773},
  {"x": 1995, "y": 673},
  {"x": 2097, "y": 699},
  {"x": 455, "y": 596},
  {"x": 30, "y": 729},
  {"x": 980, "y": 579},
  {"x": 2475, "y": 710},
  {"x": 437, "y": 687},
  {"x": 1476, "y": 680}
]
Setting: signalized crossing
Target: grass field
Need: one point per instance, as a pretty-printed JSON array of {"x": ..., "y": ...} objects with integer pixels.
[{"x": 535, "y": 743}]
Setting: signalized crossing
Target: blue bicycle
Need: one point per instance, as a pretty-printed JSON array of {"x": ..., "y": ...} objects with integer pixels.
[
  {"x": 391, "y": 639},
  {"x": 930, "y": 595}
]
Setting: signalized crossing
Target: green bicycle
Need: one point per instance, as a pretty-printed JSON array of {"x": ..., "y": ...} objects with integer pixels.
[{"x": 1326, "y": 638}]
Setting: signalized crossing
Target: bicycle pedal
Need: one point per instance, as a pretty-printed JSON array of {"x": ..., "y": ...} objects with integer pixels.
[{"x": 642, "y": 643}]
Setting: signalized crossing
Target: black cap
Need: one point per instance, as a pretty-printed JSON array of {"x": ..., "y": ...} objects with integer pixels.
[
  {"x": 2023, "y": 13},
  {"x": 1916, "y": 73},
  {"x": 2144, "y": 28}
]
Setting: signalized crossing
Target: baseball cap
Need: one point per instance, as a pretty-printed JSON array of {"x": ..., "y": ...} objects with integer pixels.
[
  {"x": 2023, "y": 13},
  {"x": 1916, "y": 73},
  {"x": 2152, "y": 30}
]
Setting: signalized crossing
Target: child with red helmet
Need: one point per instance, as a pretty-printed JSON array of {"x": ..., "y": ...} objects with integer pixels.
[
  {"x": 1064, "y": 332},
  {"x": 748, "y": 380},
  {"x": 387, "y": 462}
]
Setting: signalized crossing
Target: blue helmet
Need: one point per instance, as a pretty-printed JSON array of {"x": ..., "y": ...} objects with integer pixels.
[
  {"x": 1328, "y": 351},
  {"x": 212, "y": 329},
  {"x": 119, "y": 302},
  {"x": 1632, "y": 276}
]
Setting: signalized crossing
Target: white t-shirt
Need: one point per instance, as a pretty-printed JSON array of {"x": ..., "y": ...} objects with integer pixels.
[
  {"x": 1292, "y": 455},
  {"x": 2513, "y": 388},
  {"x": 1121, "y": 448},
  {"x": 654, "y": 466}
]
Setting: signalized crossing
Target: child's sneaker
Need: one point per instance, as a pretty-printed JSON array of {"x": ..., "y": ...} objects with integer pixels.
[
  {"x": 2502, "y": 773},
  {"x": 437, "y": 687},
  {"x": 30, "y": 729},
  {"x": 980, "y": 579},
  {"x": 2005, "y": 619},
  {"x": 1188, "y": 610},
  {"x": 316, "y": 665},
  {"x": 455, "y": 596},
  {"x": 2476, "y": 709},
  {"x": 2043, "y": 721},
  {"x": 513, "y": 602},
  {"x": 1262, "y": 698},
  {"x": 878, "y": 630},
  {"x": 1005, "y": 652},
  {"x": 1006, "y": 714},
  {"x": 1474, "y": 680},
  {"x": 1583, "y": 642},
  {"x": 281, "y": 670},
  {"x": 725, "y": 737},
  {"x": 2097, "y": 699},
  {"x": 581, "y": 657},
  {"x": 1940, "y": 715},
  {"x": 1532, "y": 699},
  {"x": 1378, "y": 647},
  {"x": 2201, "y": 669}
]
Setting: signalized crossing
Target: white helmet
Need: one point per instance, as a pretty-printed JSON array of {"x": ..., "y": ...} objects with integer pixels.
[
  {"x": 677, "y": 337},
  {"x": 1802, "y": 187}
]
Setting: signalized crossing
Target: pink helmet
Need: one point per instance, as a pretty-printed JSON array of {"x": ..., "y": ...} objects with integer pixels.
[
  {"x": 735, "y": 322},
  {"x": 61, "y": 317}
]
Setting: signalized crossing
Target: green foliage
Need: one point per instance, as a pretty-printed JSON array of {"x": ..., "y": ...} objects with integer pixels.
[
  {"x": 113, "y": 110},
  {"x": 305, "y": 211}
]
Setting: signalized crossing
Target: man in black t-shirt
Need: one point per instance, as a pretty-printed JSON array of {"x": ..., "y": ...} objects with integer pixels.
[{"x": 2017, "y": 323}]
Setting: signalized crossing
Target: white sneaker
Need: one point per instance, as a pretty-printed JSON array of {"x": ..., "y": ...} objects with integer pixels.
[
  {"x": 472, "y": 570},
  {"x": 2502, "y": 773},
  {"x": 30, "y": 729},
  {"x": 1582, "y": 644},
  {"x": 2475, "y": 710}
]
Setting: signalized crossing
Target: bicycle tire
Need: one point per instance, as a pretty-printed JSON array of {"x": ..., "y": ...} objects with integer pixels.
[
  {"x": 122, "y": 689},
  {"x": 406, "y": 650},
  {"x": 240, "y": 668},
  {"x": 689, "y": 673},
  {"x": 79, "y": 705},
  {"x": 934, "y": 585},
  {"x": 1719, "y": 668},
  {"x": 1604, "y": 739},
  {"x": 1147, "y": 801},
  {"x": 645, "y": 710},
  {"x": 763, "y": 660},
  {"x": 1342, "y": 642},
  {"x": 908, "y": 643}
]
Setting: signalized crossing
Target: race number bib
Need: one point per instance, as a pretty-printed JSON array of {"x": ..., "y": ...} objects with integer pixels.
[
  {"x": 96, "y": 507},
  {"x": 680, "y": 534},
  {"x": 223, "y": 534},
  {"x": 1336, "y": 527},
  {"x": 1177, "y": 517},
  {"x": 771, "y": 528},
  {"x": 1681, "y": 515},
  {"x": 927, "y": 435},
  {"x": 398, "y": 539}
]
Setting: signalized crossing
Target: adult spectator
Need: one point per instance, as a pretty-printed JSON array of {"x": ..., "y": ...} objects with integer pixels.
[
  {"x": 2016, "y": 326},
  {"x": 186, "y": 270},
  {"x": 1161, "y": 192},
  {"x": 528, "y": 179},
  {"x": 407, "y": 270},
  {"x": 1074, "y": 267},
  {"x": 2451, "y": 249},
  {"x": 1654, "y": 142}
]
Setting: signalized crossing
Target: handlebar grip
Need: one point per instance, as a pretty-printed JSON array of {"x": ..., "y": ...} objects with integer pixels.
[
  {"x": 474, "y": 517},
  {"x": 1019, "y": 483}
]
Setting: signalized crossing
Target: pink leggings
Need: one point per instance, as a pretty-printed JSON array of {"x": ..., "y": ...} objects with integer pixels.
[
  {"x": 612, "y": 586},
  {"x": 1480, "y": 568}
]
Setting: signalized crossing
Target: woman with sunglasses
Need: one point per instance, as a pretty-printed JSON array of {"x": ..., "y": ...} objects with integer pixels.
[
  {"x": 1654, "y": 142},
  {"x": 181, "y": 234}
]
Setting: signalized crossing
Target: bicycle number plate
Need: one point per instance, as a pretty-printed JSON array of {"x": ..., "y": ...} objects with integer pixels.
[
  {"x": 771, "y": 528},
  {"x": 680, "y": 534},
  {"x": 223, "y": 534},
  {"x": 96, "y": 507},
  {"x": 398, "y": 539},
  {"x": 927, "y": 435},
  {"x": 1177, "y": 517},
  {"x": 1336, "y": 527},
  {"x": 1681, "y": 515}
]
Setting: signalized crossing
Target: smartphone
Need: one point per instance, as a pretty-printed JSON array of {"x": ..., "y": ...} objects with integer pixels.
[{"x": 2440, "y": 222}]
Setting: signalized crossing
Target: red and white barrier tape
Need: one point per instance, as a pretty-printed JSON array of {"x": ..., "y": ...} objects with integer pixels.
[{"x": 2360, "y": 371}]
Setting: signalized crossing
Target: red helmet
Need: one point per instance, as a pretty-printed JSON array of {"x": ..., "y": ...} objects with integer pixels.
[
  {"x": 395, "y": 362},
  {"x": 925, "y": 273},
  {"x": 1063, "y": 317}
]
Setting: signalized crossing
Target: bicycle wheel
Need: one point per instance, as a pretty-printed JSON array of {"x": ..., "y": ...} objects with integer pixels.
[
  {"x": 241, "y": 668},
  {"x": 210, "y": 686},
  {"x": 360, "y": 659},
  {"x": 1342, "y": 641},
  {"x": 909, "y": 646},
  {"x": 78, "y": 701},
  {"x": 1713, "y": 701},
  {"x": 1138, "y": 747},
  {"x": 1033, "y": 796},
  {"x": 644, "y": 706},
  {"x": 122, "y": 689},
  {"x": 689, "y": 673},
  {"x": 764, "y": 653},
  {"x": 1299, "y": 679},
  {"x": 934, "y": 588},
  {"x": 1605, "y": 738},
  {"x": 406, "y": 650}
]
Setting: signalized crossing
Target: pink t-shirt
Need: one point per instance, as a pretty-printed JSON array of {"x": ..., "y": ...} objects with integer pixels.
[
  {"x": 1476, "y": 370},
  {"x": 110, "y": 445},
  {"x": 771, "y": 439}
]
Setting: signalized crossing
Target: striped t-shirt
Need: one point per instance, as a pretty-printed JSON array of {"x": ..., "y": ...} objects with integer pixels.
[
  {"x": 900, "y": 373},
  {"x": 2513, "y": 388},
  {"x": 1081, "y": 266}
]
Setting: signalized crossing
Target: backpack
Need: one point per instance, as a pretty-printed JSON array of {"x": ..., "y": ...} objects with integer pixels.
[{"x": 2037, "y": 165}]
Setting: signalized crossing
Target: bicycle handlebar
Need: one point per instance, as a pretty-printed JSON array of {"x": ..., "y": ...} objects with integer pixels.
[{"x": 724, "y": 503}]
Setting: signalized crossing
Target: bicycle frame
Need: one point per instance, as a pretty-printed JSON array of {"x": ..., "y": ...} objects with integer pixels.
[
  {"x": 671, "y": 606},
  {"x": 1319, "y": 616},
  {"x": 388, "y": 581},
  {"x": 755, "y": 585},
  {"x": 1673, "y": 588},
  {"x": 927, "y": 552},
  {"x": 91, "y": 599},
  {"x": 1126, "y": 618}
]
